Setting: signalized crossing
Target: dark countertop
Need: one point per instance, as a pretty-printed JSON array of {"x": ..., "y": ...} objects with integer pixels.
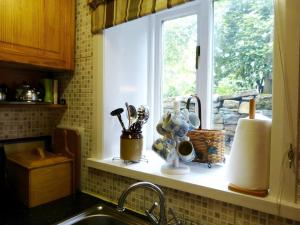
[{"x": 13, "y": 212}]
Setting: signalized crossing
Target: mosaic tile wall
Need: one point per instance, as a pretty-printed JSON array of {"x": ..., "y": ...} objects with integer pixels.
[
  {"x": 192, "y": 209},
  {"x": 77, "y": 90},
  {"x": 20, "y": 123}
]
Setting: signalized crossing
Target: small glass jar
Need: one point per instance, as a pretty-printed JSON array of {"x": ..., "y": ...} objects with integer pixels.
[{"x": 131, "y": 146}]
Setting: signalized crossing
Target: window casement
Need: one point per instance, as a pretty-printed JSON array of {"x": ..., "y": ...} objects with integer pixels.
[{"x": 202, "y": 10}]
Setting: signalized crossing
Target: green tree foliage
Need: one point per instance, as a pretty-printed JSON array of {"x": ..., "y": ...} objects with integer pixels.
[
  {"x": 179, "y": 44},
  {"x": 243, "y": 44},
  {"x": 242, "y": 48}
]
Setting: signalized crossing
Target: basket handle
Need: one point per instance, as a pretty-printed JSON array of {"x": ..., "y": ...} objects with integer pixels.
[{"x": 199, "y": 107}]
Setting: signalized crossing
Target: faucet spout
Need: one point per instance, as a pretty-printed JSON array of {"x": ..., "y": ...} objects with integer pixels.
[{"x": 147, "y": 185}]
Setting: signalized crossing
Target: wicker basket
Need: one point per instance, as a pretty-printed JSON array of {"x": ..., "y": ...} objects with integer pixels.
[{"x": 208, "y": 144}]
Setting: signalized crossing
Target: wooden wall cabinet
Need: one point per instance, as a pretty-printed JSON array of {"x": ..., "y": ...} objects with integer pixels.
[{"x": 38, "y": 33}]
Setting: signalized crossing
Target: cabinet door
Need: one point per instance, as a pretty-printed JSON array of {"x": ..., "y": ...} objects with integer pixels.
[{"x": 37, "y": 32}]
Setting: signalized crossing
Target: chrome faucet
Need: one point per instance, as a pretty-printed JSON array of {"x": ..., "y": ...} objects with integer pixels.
[{"x": 162, "y": 214}]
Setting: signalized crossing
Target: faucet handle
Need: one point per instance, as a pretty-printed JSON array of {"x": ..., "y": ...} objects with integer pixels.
[
  {"x": 155, "y": 204},
  {"x": 174, "y": 217},
  {"x": 149, "y": 214}
]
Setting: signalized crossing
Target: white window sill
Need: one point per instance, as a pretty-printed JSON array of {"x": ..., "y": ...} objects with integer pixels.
[{"x": 201, "y": 181}]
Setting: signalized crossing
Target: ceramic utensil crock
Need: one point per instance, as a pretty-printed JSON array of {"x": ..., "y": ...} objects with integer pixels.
[{"x": 131, "y": 146}]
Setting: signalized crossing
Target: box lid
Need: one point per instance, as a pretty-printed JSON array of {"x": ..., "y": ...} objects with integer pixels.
[{"x": 37, "y": 158}]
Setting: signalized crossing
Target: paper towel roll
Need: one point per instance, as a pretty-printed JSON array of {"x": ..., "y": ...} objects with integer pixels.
[{"x": 249, "y": 162}]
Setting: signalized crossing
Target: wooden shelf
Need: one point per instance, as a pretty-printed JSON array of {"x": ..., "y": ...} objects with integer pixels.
[{"x": 31, "y": 105}]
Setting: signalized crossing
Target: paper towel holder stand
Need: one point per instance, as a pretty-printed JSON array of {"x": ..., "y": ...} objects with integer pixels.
[
  {"x": 235, "y": 188},
  {"x": 257, "y": 193}
]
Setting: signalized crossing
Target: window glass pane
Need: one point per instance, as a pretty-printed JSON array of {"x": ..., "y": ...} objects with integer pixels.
[
  {"x": 178, "y": 65},
  {"x": 242, "y": 61}
]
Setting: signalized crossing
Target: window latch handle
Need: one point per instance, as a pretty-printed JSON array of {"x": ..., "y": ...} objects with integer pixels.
[{"x": 197, "y": 56}]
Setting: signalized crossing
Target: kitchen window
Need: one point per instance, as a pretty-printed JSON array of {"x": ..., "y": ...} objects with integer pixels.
[
  {"x": 129, "y": 62},
  {"x": 187, "y": 50}
]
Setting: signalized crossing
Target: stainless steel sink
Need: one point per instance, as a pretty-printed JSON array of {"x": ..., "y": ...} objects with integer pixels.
[
  {"x": 98, "y": 219},
  {"x": 103, "y": 215}
]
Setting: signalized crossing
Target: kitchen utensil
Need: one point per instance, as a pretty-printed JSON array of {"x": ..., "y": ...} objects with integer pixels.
[
  {"x": 2, "y": 96},
  {"x": 3, "y": 92},
  {"x": 131, "y": 115},
  {"x": 118, "y": 112},
  {"x": 26, "y": 93},
  {"x": 143, "y": 114},
  {"x": 136, "y": 126},
  {"x": 30, "y": 95},
  {"x": 139, "y": 117},
  {"x": 128, "y": 114}
]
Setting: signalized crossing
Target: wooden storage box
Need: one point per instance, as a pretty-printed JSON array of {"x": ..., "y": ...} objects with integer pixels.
[{"x": 38, "y": 179}]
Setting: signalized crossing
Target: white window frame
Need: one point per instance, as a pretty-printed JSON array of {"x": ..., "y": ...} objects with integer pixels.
[{"x": 203, "y": 10}]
